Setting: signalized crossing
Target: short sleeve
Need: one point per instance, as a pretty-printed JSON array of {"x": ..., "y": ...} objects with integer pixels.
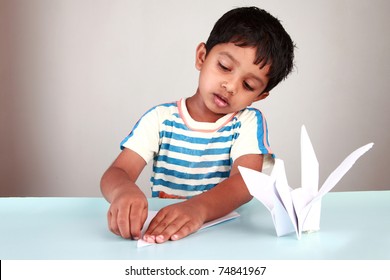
[
  {"x": 144, "y": 138},
  {"x": 252, "y": 137}
]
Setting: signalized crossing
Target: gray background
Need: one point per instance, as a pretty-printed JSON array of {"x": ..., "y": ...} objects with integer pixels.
[{"x": 76, "y": 75}]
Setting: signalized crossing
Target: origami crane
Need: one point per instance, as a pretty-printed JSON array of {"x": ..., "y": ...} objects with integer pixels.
[{"x": 296, "y": 209}]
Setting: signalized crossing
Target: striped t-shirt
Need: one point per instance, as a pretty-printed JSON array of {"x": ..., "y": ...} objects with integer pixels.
[{"x": 191, "y": 157}]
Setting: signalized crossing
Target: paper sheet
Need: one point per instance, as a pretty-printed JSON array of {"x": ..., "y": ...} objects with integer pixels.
[{"x": 151, "y": 214}]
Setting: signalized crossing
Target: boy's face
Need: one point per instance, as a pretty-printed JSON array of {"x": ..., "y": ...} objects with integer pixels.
[{"x": 229, "y": 81}]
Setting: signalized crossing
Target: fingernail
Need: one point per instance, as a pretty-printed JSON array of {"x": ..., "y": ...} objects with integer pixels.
[
  {"x": 175, "y": 237},
  {"x": 149, "y": 239},
  {"x": 160, "y": 238}
]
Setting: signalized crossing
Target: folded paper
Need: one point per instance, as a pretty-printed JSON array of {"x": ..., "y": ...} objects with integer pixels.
[{"x": 296, "y": 209}]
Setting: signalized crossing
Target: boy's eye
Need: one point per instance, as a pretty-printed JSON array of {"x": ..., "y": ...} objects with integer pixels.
[
  {"x": 223, "y": 67},
  {"x": 248, "y": 87}
]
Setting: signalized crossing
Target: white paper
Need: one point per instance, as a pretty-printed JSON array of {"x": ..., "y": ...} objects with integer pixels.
[
  {"x": 151, "y": 214},
  {"x": 299, "y": 209},
  {"x": 309, "y": 165}
]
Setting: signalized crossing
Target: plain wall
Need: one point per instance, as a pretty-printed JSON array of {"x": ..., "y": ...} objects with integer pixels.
[{"x": 75, "y": 76}]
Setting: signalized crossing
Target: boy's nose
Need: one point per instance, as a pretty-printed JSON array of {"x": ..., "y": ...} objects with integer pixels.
[{"x": 228, "y": 87}]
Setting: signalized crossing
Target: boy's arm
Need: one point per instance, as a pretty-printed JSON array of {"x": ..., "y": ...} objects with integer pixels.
[
  {"x": 179, "y": 220},
  {"x": 129, "y": 207}
]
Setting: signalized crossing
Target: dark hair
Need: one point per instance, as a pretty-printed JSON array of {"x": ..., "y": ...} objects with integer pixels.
[{"x": 254, "y": 27}]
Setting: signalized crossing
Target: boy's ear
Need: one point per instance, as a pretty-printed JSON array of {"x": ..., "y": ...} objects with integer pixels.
[
  {"x": 262, "y": 96},
  {"x": 200, "y": 55}
]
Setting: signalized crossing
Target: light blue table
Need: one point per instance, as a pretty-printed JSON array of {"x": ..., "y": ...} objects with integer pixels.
[{"x": 354, "y": 225}]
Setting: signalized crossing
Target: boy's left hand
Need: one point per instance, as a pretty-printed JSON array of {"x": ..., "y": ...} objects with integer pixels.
[{"x": 174, "y": 222}]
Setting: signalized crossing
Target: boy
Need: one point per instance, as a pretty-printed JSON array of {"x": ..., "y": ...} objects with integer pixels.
[{"x": 197, "y": 143}]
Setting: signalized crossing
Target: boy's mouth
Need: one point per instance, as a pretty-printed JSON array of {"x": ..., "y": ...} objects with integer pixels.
[{"x": 220, "y": 101}]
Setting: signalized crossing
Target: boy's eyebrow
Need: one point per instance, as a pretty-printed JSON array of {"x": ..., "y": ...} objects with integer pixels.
[
  {"x": 235, "y": 61},
  {"x": 231, "y": 57}
]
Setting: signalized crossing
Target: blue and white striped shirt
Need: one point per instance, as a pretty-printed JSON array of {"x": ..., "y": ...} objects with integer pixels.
[{"x": 191, "y": 157}]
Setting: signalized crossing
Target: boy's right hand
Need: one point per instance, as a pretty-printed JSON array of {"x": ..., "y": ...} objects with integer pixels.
[
  {"x": 129, "y": 206},
  {"x": 128, "y": 212}
]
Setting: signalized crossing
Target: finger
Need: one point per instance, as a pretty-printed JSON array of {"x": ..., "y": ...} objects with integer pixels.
[
  {"x": 112, "y": 225},
  {"x": 137, "y": 219},
  {"x": 144, "y": 215},
  {"x": 184, "y": 231},
  {"x": 123, "y": 222},
  {"x": 169, "y": 230},
  {"x": 160, "y": 221},
  {"x": 177, "y": 230},
  {"x": 157, "y": 226}
]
